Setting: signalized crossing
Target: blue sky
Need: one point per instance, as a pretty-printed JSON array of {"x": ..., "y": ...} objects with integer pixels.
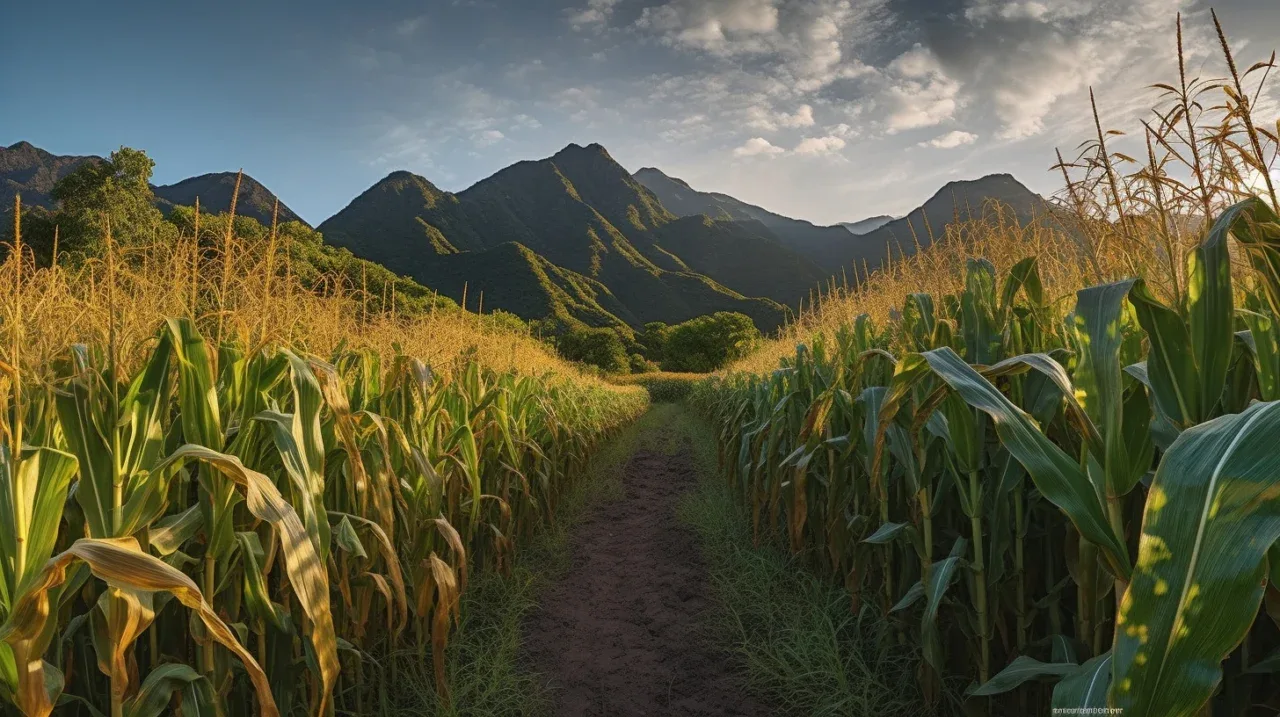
[{"x": 829, "y": 110}]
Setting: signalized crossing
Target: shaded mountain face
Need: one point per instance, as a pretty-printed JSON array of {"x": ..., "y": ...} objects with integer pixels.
[
  {"x": 867, "y": 225},
  {"x": 860, "y": 244},
  {"x": 30, "y": 171},
  {"x": 597, "y": 236},
  {"x": 676, "y": 195},
  {"x": 214, "y": 191},
  {"x": 957, "y": 201}
]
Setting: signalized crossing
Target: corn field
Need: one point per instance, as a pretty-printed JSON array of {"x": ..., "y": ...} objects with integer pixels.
[
  {"x": 240, "y": 530},
  {"x": 1076, "y": 513}
]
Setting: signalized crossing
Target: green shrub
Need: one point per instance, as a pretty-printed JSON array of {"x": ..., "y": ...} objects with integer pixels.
[
  {"x": 708, "y": 343},
  {"x": 598, "y": 347}
]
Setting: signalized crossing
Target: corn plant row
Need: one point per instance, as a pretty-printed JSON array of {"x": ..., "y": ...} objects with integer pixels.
[
  {"x": 1075, "y": 512},
  {"x": 238, "y": 530}
]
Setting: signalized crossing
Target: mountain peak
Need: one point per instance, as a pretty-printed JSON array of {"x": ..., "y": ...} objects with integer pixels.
[
  {"x": 214, "y": 191},
  {"x": 21, "y": 146},
  {"x": 574, "y": 149},
  {"x": 651, "y": 175}
]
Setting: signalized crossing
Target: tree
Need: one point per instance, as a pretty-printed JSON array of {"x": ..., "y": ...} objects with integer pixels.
[
  {"x": 598, "y": 347},
  {"x": 653, "y": 339},
  {"x": 116, "y": 192},
  {"x": 708, "y": 343}
]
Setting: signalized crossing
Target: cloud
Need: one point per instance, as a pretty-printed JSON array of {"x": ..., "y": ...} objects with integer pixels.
[
  {"x": 757, "y": 146},
  {"x": 487, "y": 138},
  {"x": 809, "y": 43},
  {"x": 951, "y": 140},
  {"x": 920, "y": 93},
  {"x": 524, "y": 121},
  {"x": 1022, "y": 57},
  {"x": 762, "y": 118},
  {"x": 717, "y": 26},
  {"x": 410, "y": 26},
  {"x": 595, "y": 14},
  {"x": 820, "y": 145}
]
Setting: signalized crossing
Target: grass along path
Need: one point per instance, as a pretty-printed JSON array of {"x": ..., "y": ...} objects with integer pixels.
[
  {"x": 788, "y": 631},
  {"x": 765, "y": 625}
]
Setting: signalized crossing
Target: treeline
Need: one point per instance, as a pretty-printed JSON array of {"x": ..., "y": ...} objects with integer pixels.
[
  {"x": 111, "y": 202},
  {"x": 699, "y": 345}
]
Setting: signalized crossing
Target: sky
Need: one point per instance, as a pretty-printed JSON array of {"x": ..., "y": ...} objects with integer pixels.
[{"x": 826, "y": 110}]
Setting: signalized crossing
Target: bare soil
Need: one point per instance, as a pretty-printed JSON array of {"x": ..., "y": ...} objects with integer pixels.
[{"x": 620, "y": 633}]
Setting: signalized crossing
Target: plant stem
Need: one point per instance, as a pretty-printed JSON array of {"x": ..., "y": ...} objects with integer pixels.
[
  {"x": 210, "y": 565},
  {"x": 980, "y": 575}
]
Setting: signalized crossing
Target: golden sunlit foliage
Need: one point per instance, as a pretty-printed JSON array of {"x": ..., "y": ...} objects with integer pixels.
[
  {"x": 311, "y": 474},
  {"x": 1043, "y": 450}
]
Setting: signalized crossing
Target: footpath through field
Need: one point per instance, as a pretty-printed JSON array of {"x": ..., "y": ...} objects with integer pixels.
[{"x": 621, "y": 633}]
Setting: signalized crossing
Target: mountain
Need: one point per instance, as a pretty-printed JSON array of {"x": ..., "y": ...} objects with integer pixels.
[
  {"x": 957, "y": 201},
  {"x": 32, "y": 172},
  {"x": 867, "y": 225},
  {"x": 797, "y": 234},
  {"x": 214, "y": 191},
  {"x": 861, "y": 244},
  {"x": 579, "y": 222}
]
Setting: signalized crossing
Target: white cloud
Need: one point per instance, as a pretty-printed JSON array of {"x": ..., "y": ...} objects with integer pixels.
[
  {"x": 757, "y": 146},
  {"x": 820, "y": 145},
  {"x": 523, "y": 121},
  {"x": 810, "y": 43},
  {"x": 920, "y": 94},
  {"x": 593, "y": 15},
  {"x": 762, "y": 118},
  {"x": 410, "y": 26},
  {"x": 1024, "y": 57},
  {"x": 487, "y": 138},
  {"x": 718, "y": 26},
  {"x": 951, "y": 140},
  {"x": 843, "y": 131}
]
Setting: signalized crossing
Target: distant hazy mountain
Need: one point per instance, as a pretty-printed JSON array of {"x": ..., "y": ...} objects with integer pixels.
[
  {"x": 583, "y": 226},
  {"x": 32, "y": 172},
  {"x": 214, "y": 191},
  {"x": 861, "y": 244},
  {"x": 867, "y": 225},
  {"x": 955, "y": 201}
]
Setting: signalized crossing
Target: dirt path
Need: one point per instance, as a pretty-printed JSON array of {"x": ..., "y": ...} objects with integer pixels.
[{"x": 619, "y": 634}]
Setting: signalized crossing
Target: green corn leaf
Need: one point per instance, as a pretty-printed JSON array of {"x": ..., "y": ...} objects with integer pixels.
[
  {"x": 157, "y": 690},
  {"x": 1022, "y": 669},
  {"x": 1172, "y": 373},
  {"x": 941, "y": 575},
  {"x": 911, "y": 597},
  {"x": 1057, "y": 475},
  {"x": 1263, "y": 340},
  {"x": 1086, "y": 687},
  {"x": 1256, "y": 227},
  {"x": 347, "y": 539},
  {"x": 1211, "y": 310},
  {"x": 1098, "y": 378},
  {"x": 32, "y": 495},
  {"x": 1210, "y": 517}
]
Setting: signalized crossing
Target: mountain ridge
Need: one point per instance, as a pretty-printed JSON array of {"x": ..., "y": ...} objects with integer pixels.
[
  {"x": 577, "y": 239},
  {"x": 585, "y": 214}
]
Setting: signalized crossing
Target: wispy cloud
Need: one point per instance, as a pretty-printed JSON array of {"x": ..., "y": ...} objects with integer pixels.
[
  {"x": 757, "y": 146},
  {"x": 820, "y": 145},
  {"x": 595, "y": 14},
  {"x": 951, "y": 140}
]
